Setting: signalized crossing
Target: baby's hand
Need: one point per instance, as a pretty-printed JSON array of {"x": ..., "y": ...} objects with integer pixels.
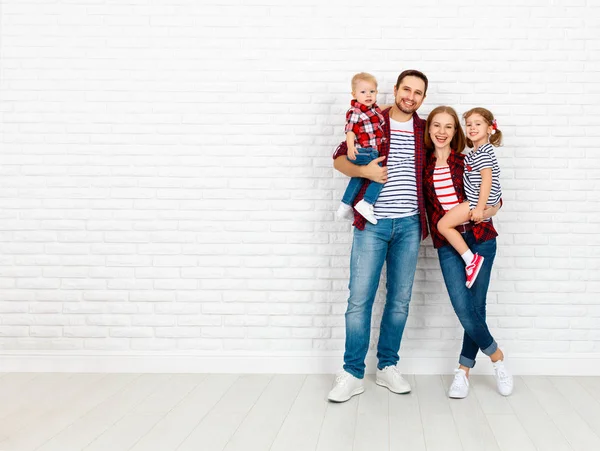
[
  {"x": 352, "y": 152},
  {"x": 477, "y": 215}
]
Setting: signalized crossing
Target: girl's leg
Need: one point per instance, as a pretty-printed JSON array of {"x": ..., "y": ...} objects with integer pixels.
[{"x": 446, "y": 226}]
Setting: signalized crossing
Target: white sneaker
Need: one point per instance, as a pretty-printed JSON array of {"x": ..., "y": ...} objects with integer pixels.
[
  {"x": 345, "y": 387},
  {"x": 391, "y": 378},
  {"x": 504, "y": 380},
  {"x": 460, "y": 385},
  {"x": 366, "y": 210},
  {"x": 344, "y": 211}
]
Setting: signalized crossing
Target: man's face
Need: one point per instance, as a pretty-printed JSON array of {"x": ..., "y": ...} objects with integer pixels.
[
  {"x": 365, "y": 92},
  {"x": 410, "y": 94}
]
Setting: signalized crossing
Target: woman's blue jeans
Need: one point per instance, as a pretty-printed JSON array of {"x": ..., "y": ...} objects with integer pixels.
[
  {"x": 469, "y": 304},
  {"x": 364, "y": 156},
  {"x": 396, "y": 242}
]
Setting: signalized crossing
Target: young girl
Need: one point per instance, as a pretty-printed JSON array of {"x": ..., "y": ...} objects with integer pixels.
[{"x": 482, "y": 185}]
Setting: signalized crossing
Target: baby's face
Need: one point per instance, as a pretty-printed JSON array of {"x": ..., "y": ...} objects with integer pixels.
[{"x": 365, "y": 92}]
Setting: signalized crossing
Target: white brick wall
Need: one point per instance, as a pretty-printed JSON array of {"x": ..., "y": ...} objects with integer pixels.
[{"x": 166, "y": 182}]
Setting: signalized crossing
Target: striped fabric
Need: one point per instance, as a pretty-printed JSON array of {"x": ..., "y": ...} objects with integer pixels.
[
  {"x": 419, "y": 126},
  {"x": 398, "y": 198},
  {"x": 444, "y": 188},
  {"x": 476, "y": 161},
  {"x": 483, "y": 231}
]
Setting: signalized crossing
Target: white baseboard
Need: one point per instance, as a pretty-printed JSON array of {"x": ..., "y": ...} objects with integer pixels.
[{"x": 278, "y": 363}]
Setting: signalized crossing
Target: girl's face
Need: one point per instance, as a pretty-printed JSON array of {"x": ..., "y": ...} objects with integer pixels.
[
  {"x": 478, "y": 130},
  {"x": 442, "y": 130}
]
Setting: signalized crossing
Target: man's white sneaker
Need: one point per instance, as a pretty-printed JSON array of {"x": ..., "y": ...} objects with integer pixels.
[
  {"x": 391, "y": 378},
  {"x": 366, "y": 210},
  {"x": 344, "y": 211},
  {"x": 504, "y": 380},
  {"x": 460, "y": 385},
  {"x": 345, "y": 387}
]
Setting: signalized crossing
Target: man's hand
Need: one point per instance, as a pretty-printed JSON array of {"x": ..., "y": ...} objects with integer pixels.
[
  {"x": 374, "y": 172},
  {"x": 477, "y": 215},
  {"x": 352, "y": 152}
]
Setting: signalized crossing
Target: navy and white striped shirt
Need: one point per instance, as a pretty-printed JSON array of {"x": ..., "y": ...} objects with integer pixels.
[
  {"x": 398, "y": 198},
  {"x": 475, "y": 161}
]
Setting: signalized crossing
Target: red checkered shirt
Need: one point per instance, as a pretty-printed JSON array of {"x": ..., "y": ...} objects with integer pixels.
[
  {"x": 483, "y": 231},
  {"x": 419, "y": 127},
  {"x": 366, "y": 123}
]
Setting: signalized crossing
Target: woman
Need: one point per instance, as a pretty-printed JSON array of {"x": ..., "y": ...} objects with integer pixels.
[{"x": 443, "y": 188}]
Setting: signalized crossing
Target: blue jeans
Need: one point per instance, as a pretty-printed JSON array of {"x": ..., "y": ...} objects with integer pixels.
[
  {"x": 469, "y": 304},
  {"x": 364, "y": 156},
  {"x": 396, "y": 242}
]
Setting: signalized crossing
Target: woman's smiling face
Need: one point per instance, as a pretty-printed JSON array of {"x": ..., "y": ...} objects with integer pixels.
[{"x": 442, "y": 130}]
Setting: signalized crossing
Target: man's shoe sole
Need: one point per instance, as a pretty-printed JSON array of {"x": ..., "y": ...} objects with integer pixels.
[
  {"x": 358, "y": 391},
  {"x": 384, "y": 384}
]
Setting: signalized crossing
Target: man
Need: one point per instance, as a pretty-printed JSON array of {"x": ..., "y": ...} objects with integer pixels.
[{"x": 395, "y": 238}]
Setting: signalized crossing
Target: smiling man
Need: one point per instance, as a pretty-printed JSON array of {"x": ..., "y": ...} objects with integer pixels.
[{"x": 395, "y": 239}]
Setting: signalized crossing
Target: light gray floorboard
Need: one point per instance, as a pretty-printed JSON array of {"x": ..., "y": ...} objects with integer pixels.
[
  {"x": 302, "y": 426},
  {"x": 576, "y": 430},
  {"x": 372, "y": 419},
  {"x": 232, "y": 412},
  {"x": 471, "y": 422},
  {"x": 406, "y": 428},
  {"x": 441, "y": 433},
  {"x": 537, "y": 423},
  {"x": 220, "y": 424}
]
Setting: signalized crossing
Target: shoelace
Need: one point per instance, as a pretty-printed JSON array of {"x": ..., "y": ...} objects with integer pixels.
[
  {"x": 502, "y": 375},
  {"x": 341, "y": 379},
  {"x": 458, "y": 382},
  {"x": 394, "y": 370}
]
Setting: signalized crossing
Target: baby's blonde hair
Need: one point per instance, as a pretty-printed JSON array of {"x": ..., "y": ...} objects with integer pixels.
[{"x": 363, "y": 76}]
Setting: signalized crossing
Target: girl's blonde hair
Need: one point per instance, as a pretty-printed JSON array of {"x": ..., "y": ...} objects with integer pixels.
[
  {"x": 496, "y": 136},
  {"x": 363, "y": 76}
]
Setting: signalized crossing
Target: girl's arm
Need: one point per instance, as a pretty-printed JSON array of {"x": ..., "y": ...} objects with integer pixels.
[{"x": 484, "y": 194}]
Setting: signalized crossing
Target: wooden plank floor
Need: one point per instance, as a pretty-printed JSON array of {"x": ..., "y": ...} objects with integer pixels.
[{"x": 213, "y": 412}]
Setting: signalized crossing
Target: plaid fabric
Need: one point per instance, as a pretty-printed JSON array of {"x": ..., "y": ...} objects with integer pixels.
[
  {"x": 483, "y": 231},
  {"x": 366, "y": 123},
  {"x": 419, "y": 124}
]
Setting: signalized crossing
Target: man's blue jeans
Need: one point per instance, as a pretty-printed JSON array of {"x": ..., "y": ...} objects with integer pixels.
[
  {"x": 363, "y": 157},
  {"x": 469, "y": 304},
  {"x": 396, "y": 242}
]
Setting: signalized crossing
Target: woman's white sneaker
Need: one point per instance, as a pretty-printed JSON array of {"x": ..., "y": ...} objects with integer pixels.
[
  {"x": 504, "y": 380},
  {"x": 391, "y": 378},
  {"x": 345, "y": 387},
  {"x": 460, "y": 385}
]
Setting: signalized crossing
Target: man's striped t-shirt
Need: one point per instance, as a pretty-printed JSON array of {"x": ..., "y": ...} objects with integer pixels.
[{"x": 398, "y": 198}]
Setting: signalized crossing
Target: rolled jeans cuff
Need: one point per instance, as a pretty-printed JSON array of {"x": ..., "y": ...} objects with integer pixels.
[{"x": 470, "y": 363}]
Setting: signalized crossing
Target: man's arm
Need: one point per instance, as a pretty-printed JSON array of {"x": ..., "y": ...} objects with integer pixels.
[{"x": 371, "y": 171}]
